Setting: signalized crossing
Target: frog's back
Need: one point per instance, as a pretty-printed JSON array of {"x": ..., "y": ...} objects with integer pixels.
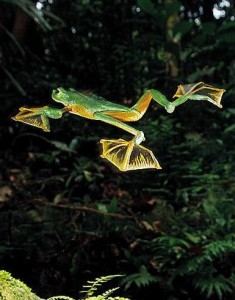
[{"x": 86, "y": 104}]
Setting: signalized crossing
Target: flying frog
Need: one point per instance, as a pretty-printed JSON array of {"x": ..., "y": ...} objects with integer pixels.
[{"x": 125, "y": 155}]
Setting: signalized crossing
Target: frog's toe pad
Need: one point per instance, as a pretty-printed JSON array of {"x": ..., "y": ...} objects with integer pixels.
[{"x": 126, "y": 155}]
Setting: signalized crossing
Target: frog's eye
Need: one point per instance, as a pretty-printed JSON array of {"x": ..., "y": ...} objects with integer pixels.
[
  {"x": 59, "y": 90},
  {"x": 56, "y": 92}
]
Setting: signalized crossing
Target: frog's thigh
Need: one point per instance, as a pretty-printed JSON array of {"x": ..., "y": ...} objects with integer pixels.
[{"x": 130, "y": 115}]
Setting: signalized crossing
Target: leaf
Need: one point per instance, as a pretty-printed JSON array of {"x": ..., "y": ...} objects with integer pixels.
[
  {"x": 113, "y": 206},
  {"x": 182, "y": 28},
  {"x": 91, "y": 286},
  {"x": 211, "y": 286},
  {"x": 160, "y": 14},
  {"x": 102, "y": 207},
  {"x": 230, "y": 128},
  {"x": 140, "y": 279},
  {"x": 148, "y": 6},
  {"x": 192, "y": 238},
  {"x": 172, "y": 8},
  {"x": 208, "y": 28},
  {"x": 61, "y": 146},
  {"x": 227, "y": 38},
  {"x": 226, "y": 26},
  {"x": 170, "y": 241}
]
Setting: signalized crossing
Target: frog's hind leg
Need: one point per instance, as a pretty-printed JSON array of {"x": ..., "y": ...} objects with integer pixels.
[
  {"x": 135, "y": 112},
  {"x": 126, "y": 155}
]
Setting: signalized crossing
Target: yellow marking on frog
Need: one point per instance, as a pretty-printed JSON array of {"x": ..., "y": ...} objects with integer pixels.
[{"x": 81, "y": 111}]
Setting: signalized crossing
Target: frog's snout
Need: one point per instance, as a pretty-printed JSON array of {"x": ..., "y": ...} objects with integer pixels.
[
  {"x": 60, "y": 95},
  {"x": 56, "y": 94}
]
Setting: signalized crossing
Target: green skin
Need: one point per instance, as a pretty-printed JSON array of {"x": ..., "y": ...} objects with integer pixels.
[{"x": 97, "y": 108}]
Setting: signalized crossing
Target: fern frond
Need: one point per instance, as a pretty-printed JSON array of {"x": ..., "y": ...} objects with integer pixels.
[
  {"x": 109, "y": 292},
  {"x": 140, "y": 279},
  {"x": 214, "y": 286},
  {"x": 218, "y": 248},
  {"x": 92, "y": 286},
  {"x": 212, "y": 251}
]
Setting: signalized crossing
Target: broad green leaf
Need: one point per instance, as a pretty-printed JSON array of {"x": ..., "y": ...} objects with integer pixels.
[
  {"x": 192, "y": 238},
  {"x": 182, "y": 28},
  {"x": 208, "y": 28},
  {"x": 147, "y": 6}
]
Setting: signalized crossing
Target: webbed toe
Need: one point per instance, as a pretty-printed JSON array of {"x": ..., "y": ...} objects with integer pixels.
[
  {"x": 34, "y": 117},
  {"x": 127, "y": 156}
]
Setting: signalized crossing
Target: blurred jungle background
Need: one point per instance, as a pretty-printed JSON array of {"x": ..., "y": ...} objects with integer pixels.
[{"x": 66, "y": 216}]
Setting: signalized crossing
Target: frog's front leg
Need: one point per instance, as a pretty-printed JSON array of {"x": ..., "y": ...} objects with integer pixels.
[
  {"x": 126, "y": 155},
  {"x": 38, "y": 116}
]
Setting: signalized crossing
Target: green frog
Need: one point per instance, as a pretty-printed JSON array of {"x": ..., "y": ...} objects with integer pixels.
[{"x": 125, "y": 155}]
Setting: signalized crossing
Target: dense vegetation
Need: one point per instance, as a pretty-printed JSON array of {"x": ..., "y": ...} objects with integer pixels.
[
  {"x": 65, "y": 215},
  {"x": 12, "y": 288}
]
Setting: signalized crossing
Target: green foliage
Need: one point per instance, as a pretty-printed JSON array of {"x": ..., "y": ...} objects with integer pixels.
[
  {"x": 140, "y": 279},
  {"x": 199, "y": 257},
  {"x": 160, "y": 15},
  {"x": 91, "y": 287},
  {"x": 210, "y": 286},
  {"x": 11, "y": 288}
]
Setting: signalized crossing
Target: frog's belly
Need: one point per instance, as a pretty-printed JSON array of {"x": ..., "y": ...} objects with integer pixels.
[{"x": 81, "y": 111}]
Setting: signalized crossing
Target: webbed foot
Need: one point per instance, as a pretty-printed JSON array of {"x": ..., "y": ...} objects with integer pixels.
[
  {"x": 127, "y": 155},
  {"x": 34, "y": 116},
  {"x": 200, "y": 91}
]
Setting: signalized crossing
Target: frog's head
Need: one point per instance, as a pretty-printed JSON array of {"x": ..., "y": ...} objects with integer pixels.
[{"x": 61, "y": 95}]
